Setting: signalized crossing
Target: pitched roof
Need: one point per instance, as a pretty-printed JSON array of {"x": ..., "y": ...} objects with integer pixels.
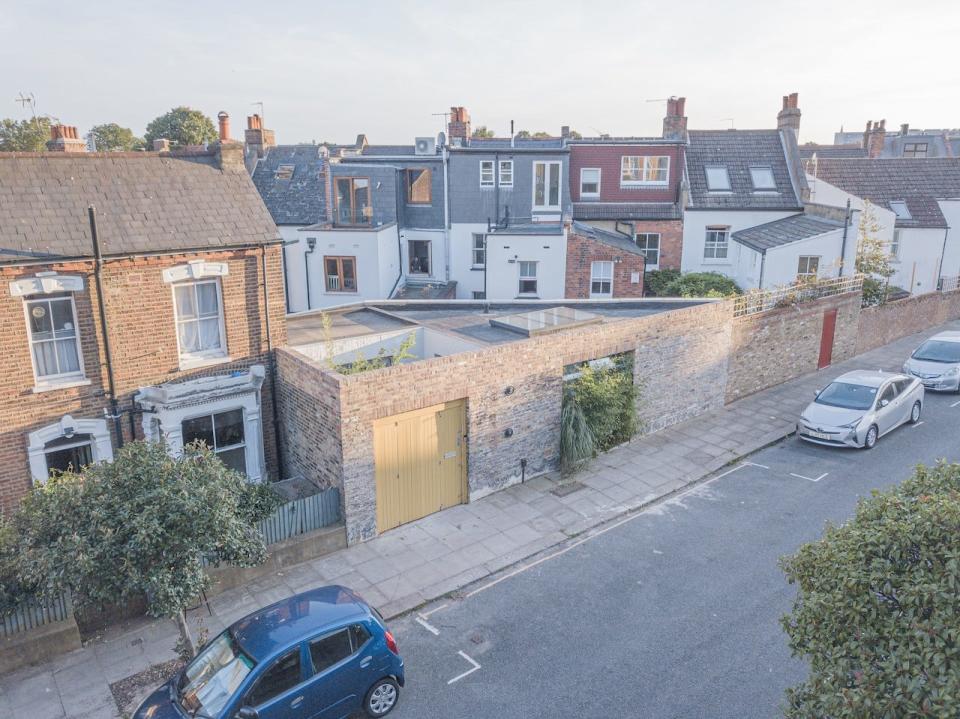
[
  {"x": 146, "y": 202},
  {"x": 738, "y": 151},
  {"x": 917, "y": 181},
  {"x": 784, "y": 231},
  {"x": 299, "y": 200},
  {"x": 826, "y": 151},
  {"x": 613, "y": 239},
  {"x": 626, "y": 211}
]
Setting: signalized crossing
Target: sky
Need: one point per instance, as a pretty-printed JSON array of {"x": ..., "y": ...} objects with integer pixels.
[{"x": 326, "y": 71}]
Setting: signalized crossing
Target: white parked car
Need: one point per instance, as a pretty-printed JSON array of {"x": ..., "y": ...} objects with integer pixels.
[
  {"x": 858, "y": 408},
  {"x": 937, "y": 362}
]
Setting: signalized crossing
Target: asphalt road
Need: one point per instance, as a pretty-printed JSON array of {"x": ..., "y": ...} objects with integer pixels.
[{"x": 671, "y": 613}]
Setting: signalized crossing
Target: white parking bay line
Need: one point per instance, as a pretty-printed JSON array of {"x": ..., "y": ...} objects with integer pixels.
[
  {"x": 810, "y": 479},
  {"x": 917, "y": 424},
  {"x": 432, "y": 611},
  {"x": 422, "y": 621},
  {"x": 955, "y": 403},
  {"x": 466, "y": 673},
  {"x": 754, "y": 464}
]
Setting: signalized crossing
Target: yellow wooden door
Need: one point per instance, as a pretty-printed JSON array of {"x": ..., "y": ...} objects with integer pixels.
[{"x": 420, "y": 463}]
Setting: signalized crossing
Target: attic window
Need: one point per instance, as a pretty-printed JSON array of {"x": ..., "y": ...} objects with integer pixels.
[
  {"x": 718, "y": 179},
  {"x": 285, "y": 172},
  {"x": 762, "y": 178},
  {"x": 900, "y": 210}
]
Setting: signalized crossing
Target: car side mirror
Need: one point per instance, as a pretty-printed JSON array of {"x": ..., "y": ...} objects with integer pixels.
[
  {"x": 816, "y": 393},
  {"x": 883, "y": 403},
  {"x": 247, "y": 713}
]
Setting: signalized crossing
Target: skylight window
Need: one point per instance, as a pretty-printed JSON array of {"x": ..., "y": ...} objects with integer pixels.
[
  {"x": 900, "y": 210},
  {"x": 718, "y": 179},
  {"x": 762, "y": 178},
  {"x": 285, "y": 172}
]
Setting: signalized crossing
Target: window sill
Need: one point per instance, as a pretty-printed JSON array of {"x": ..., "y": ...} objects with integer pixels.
[
  {"x": 198, "y": 362},
  {"x": 340, "y": 292},
  {"x": 477, "y": 268},
  {"x": 507, "y": 187},
  {"x": 584, "y": 196},
  {"x": 628, "y": 185},
  {"x": 40, "y": 387},
  {"x": 527, "y": 297},
  {"x": 716, "y": 262}
]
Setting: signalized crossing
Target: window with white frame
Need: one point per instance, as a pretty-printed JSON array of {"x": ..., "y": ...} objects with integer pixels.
[
  {"x": 199, "y": 317},
  {"x": 528, "y": 278},
  {"x": 221, "y": 432},
  {"x": 716, "y": 243},
  {"x": 601, "y": 279},
  {"x": 589, "y": 182},
  {"x": 900, "y": 209},
  {"x": 895, "y": 244},
  {"x": 479, "y": 249},
  {"x": 69, "y": 444},
  {"x": 486, "y": 173},
  {"x": 506, "y": 173},
  {"x": 644, "y": 170},
  {"x": 718, "y": 179},
  {"x": 68, "y": 454},
  {"x": 54, "y": 340},
  {"x": 649, "y": 243},
  {"x": 808, "y": 266},
  {"x": 762, "y": 179},
  {"x": 546, "y": 185}
]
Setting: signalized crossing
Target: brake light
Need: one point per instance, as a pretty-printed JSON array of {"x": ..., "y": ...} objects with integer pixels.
[{"x": 391, "y": 642}]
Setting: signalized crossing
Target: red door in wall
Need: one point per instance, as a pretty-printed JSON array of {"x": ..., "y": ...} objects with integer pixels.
[{"x": 826, "y": 338}]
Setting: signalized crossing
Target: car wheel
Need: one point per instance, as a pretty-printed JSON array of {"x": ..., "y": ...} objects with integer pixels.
[
  {"x": 382, "y": 698},
  {"x": 915, "y": 412},
  {"x": 870, "y": 441}
]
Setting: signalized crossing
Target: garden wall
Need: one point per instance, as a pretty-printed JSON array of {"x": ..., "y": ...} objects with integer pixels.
[{"x": 886, "y": 323}]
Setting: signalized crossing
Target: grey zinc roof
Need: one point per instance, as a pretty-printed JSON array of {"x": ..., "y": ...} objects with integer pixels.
[
  {"x": 738, "y": 151},
  {"x": 827, "y": 151},
  {"x": 916, "y": 181},
  {"x": 145, "y": 203},
  {"x": 301, "y": 199},
  {"x": 626, "y": 211},
  {"x": 613, "y": 239},
  {"x": 389, "y": 150},
  {"x": 520, "y": 143},
  {"x": 784, "y": 231}
]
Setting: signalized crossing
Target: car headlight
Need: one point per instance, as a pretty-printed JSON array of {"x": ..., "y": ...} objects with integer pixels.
[
  {"x": 906, "y": 367},
  {"x": 952, "y": 372},
  {"x": 851, "y": 425}
]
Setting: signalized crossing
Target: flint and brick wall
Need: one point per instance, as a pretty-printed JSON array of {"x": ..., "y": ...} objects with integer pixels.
[
  {"x": 140, "y": 317},
  {"x": 680, "y": 364},
  {"x": 886, "y": 323},
  {"x": 583, "y": 251},
  {"x": 772, "y": 347}
]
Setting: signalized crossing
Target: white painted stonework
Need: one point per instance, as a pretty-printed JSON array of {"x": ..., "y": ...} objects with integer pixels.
[
  {"x": 45, "y": 283},
  {"x": 101, "y": 446},
  {"x": 195, "y": 270}
]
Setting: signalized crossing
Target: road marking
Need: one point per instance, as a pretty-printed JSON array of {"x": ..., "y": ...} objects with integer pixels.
[
  {"x": 955, "y": 403},
  {"x": 432, "y": 611},
  {"x": 917, "y": 424},
  {"x": 754, "y": 464},
  {"x": 422, "y": 621},
  {"x": 466, "y": 673},
  {"x": 594, "y": 535},
  {"x": 811, "y": 479}
]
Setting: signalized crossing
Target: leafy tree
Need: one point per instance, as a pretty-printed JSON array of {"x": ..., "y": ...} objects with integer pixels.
[
  {"x": 182, "y": 126},
  {"x": 873, "y": 259},
  {"x": 24, "y": 135},
  {"x": 482, "y": 132},
  {"x": 877, "y": 612},
  {"x": 574, "y": 135},
  {"x": 523, "y": 134},
  {"x": 701, "y": 284},
  {"x": 141, "y": 525},
  {"x": 541, "y": 135},
  {"x": 113, "y": 138}
]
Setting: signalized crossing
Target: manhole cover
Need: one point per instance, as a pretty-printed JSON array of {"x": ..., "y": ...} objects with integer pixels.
[{"x": 566, "y": 488}]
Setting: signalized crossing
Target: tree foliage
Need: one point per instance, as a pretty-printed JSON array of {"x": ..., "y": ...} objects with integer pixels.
[
  {"x": 657, "y": 281},
  {"x": 482, "y": 132},
  {"x": 182, "y": 126},
  {"x": 873, "y": 258},
  {"x": 110, "y": 137},
  {"x": 696, "y": 284},
  {"x": 141, "y": 525},
  {"x": 877, "y": 612},
  {"x": 24, "y": 135},
  {"x": 360, "y": 364}
]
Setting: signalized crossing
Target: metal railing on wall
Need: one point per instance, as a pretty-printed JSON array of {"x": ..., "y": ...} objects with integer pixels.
[
  {"x": 948, "y": 284},
  {"x": 755, "y": 301},
  {"x": 291, "y": 519}
]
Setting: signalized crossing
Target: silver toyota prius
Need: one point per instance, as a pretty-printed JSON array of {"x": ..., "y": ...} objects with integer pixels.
[
  {"x": 858, "y": 408},
  {"x": 937, "y": 362}
]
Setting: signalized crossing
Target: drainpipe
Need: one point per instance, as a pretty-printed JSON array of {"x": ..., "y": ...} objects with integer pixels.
[
  {"x": 311, "y": 246},
  {"x": 108, "y": 355},
  {"x": 763, "y": 260},
  {"x": 486, "y": 247},
  {"x": 286, "y": 288},
  {"x": 271, "y": 361},
  {"x": 496, "y": 189},
  {"x": 943, "y": 251},
  {"x": 843, "y": 242},
  {"x": 445, "y": 154}
]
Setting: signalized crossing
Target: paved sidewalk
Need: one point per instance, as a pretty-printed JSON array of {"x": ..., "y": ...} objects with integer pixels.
[{"x": 444, "y": 552}]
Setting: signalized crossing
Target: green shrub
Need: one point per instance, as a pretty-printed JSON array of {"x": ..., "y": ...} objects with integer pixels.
[
  {"x": 874, "y": 291},
  {"x": 608, "y": 397},
  {"x": 656, "y": 281},
  {"x": 577, "y": 443},
  {"x": 877, "y": 612},
  {"x": 701, "y": 284}
]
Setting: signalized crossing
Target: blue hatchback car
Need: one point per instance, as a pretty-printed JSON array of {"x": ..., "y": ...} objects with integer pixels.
[{"x": 322, "y": 654}]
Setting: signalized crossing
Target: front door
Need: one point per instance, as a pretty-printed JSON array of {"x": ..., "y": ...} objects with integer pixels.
[{"x": 826, "y": 338}]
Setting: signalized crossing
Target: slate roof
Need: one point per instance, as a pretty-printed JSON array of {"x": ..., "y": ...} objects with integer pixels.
[
  {"x": 520, "y": 143},
  {"x": 146, "y": 202},
  {"x": 827, "y": 151},
  {"x": 738, "y": 151},
  {"x": 918, "y": 182},
  {"x": 784, "y": 231},
  {"x": 626, "y": 211},
  {"x": 612, "y": 239},
  {"x": 301, "y": 199}
]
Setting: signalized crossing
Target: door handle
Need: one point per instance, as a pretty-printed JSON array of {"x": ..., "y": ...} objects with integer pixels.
[
  {"x": 296, "y": 702},
  {"x": 365, "y": 662}
]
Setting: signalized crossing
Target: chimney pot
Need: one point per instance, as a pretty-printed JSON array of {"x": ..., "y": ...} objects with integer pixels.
[
  {"x": 224, "y": 119},
  {"x": 64, "y": 138},
  {"x": 789, "y": 116},
  {"x": 459, "y": 125}
]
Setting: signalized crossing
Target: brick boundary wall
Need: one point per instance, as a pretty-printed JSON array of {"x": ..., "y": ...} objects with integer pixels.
[
  {"x": 886, "y": 323},
  {"x": 680, "y": 363},
  {"x": 769, "y": 348}
]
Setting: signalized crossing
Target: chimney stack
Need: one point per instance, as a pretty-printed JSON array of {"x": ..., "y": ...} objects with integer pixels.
[
  {"x": 675, "y": 122},
  {"x": 161, "y": 145},
  {"x": 458, "y": 129},
  {"x": 224, "y": 119},
  {"x": 565, "y": 132},
  {"x": 64, "y": 138},
  {"x": 873, "y": 138},
  {"x": 258, "y": 139},
  {"x": 905, "y": 129},
  {"x": 789, "y": 115}
]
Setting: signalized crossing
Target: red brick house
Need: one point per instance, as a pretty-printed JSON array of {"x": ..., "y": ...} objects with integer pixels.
[
  {"x": 602, "y": 264},
  {"x": 170, "y": 335},
  {"x": 633, "y": 186}
]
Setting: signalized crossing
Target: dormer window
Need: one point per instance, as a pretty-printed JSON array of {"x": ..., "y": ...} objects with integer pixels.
[
  {"x": 900, "y": 209},
  {"x": 718, "y": 179},
  {"x": 762, "y": 179},
  {"x": 285, "y": 172}
]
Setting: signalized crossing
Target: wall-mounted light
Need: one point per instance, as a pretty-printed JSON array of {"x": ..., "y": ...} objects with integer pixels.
[
  {"x": 508, "y": 432},
  {"x": 311, "y": 243},
  {"x": 508, "y": 391}
]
